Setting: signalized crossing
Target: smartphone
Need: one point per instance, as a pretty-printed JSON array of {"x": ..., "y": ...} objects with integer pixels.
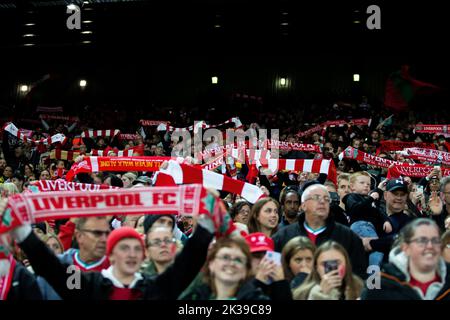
[
  {"x": 330, "y": 265},
  {"x": 274, "y": 256}
]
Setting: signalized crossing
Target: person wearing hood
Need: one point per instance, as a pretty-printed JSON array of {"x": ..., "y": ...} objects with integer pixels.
[{"x": 416, "y": 269}]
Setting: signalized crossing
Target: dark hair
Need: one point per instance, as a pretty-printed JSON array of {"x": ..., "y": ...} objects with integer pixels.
[
  {"x": 239, "y": 243},
  {"x": 408, "y": 231},
  {"x": 286, "y": 190},
  {"x": 115, "y": 180},
  {"x": 253, "y": 224},
  {"x": 291, "y": 248},
  {"x": 237, "y": 206}
]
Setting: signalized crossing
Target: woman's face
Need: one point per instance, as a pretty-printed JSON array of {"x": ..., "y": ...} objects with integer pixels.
[
  {"x": 268, "y": 216},
  {"x": 45, "y": 175},
  {"x": 301, "y": 261},
  {"x": 8, "y": 172},
  {"x": 126, "y": 181},
  {"x": 423, "y": 257},
  {"x": 330, "y": 255},
  {"x": 229, "y": 266},
  {"x": 53, "y": 244},
  {"x": 243, "y": 215},
  {"x": 28, "y": 171}
]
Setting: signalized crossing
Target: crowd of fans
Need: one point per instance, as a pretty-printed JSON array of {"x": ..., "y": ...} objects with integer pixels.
[{"x": 308, "y": 240}]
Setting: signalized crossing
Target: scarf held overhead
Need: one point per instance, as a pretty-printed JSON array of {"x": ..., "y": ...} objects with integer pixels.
[
  {"x": 115, "y": 164},
  {"x": 394, "y": 145},
  {"x": 57, "y": 138},
  {"x": 62, "y": 185},
  {"x": 415, "y": 171},
  {"x": 355, "y": 154},
  {"x": 38, "y": 207},
  {"x": 430, "y": 155}
]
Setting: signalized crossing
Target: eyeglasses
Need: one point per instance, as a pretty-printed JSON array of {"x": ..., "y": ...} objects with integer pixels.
[
  {"x": 227, "y": 258},
  {"x": 159, "y": 242},
  {"x": 244, "y": 212},
  {"x": 97, "y": 233},
  {"x": 319, "y": 198},
  {"x": 423, "y": 241}
]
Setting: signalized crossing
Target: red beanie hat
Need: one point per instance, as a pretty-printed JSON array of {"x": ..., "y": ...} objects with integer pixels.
[{"x": 119, "y": 234}]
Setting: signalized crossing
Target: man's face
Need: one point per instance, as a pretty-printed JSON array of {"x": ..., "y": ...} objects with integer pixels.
[
  {"x": 2, "y": 164},
  {"x": 445, "y": 195},
  {"x": 127, "y": 256},
  {"x": 291, "y": 204},
  {"x": 395, "y": 200},
  {"x": 92, "y": 238},
  {"x": 343, "y": 188},
  {"x": 317, "y": 208},
  {"x": 18, "y": 152}
]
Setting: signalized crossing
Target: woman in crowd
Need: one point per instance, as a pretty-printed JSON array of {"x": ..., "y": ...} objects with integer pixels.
[
  {"x": 264, "y": 216},
  {"x": 227, "y": 269},
  {"x": 416, "y": 269},
  {"x": 297, "y": 259},
  {"x": 53, "y": 243},
  {"x": 240, "y": 211},
  {"x": 128, "y": 179},
  {"x": 331, "y": 277}
]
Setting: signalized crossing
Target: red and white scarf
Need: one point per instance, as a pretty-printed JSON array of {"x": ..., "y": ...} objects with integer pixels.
[
  {"x": 415, "y": 171},
  {"x": 335, "y": 123},
  {"x": 430, "y": 155},
  {"x": 59, "y": 154},
  {"x": 29, "y": 208},
  {"x": 62, "y": 185},
  {"x": 285, "y": 145},
  {"x": 57, "y": 138},
  {"x": 115, "y": 164},
  {"x": 120, "y": 153},
  {"x": 200, "y": 124},
  {"x": 431, "y": 128},
  {"x": 355, "y": 154},
  {"x": 304, "y": 165},
  {"x": 394, "y": 145},
  {"x": 177, "y": 173},
  {"x": 6, "y": 280},
  {"x": 149, "y": 123},
  {"x": 55, "y": 117},
  {"x": 99, "y": 133}
]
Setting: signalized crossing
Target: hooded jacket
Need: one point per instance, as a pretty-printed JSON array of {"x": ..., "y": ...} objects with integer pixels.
[{"x": 395, "y": 280}]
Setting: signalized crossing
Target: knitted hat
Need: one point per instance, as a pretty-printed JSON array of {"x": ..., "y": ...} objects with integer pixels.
[
  {"x": 119, "y": 234},
  {"x": 150, "y": 219}
]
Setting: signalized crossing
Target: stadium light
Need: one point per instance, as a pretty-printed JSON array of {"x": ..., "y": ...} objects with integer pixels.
[
  {"x": 24, "y": 88},
  {"x": 356, "y": 77},
  {"x": 214, "y": 80},
  {"x": 283, "y": 82},
  {"x": 83, "y": 83}
]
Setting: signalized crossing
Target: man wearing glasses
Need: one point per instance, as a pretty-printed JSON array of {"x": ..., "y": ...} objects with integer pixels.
[
  {"x": 91, "y": 234},
  {"x": 315, "y": 225}
]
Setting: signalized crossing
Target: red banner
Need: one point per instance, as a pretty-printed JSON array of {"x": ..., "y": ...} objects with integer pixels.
[
  {"x": 55, "y": 117},
  {"x": 129, "y": 136},
  {"x": 149, "y": 123}
]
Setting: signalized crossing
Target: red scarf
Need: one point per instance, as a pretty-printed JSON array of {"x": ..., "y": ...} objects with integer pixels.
[
  {"x": 62, "y": 185},
  {"x": 432, "y": 128},
  {"x": 129, "y": 136},
  {"x": 55, "y": 117},
  {"x": 38, "y": 207},
  {"x": 335, "y": 123},
  {"x": 115, "y": 164},
  {"x": 200, "y": 124},
  {"x": 5, "y": 281},
  {"x": 149, "y": 123},
  {"x": 434, "y": 156},
  {"x": 393, "y": 145},
  {"x": 355, "y": 154},
  {"x": 416, "y": 171}
]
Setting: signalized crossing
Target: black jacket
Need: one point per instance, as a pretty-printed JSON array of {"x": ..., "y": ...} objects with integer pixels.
[
  {"x": 278, "y": 290},
  {"x": 23, "y": 285},
  {"x": 393, "y": 286},
  {"x": 248, "y": 291},
  {"x": 363, "y": 208},
  {"x": 93, "y": 286},
  {"x": 334, "y": 231}
]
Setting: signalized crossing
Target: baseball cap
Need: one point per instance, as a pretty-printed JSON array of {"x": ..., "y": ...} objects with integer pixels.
[
  {"x": 396, "y": 184},
  {"x": 258, "y": 242}
]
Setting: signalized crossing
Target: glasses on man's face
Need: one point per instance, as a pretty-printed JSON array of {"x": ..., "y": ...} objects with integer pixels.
[
  {"x": 159, "y": 242},
  {"x": 319, "y": 198},
  {"x": 237, "y": 260},
  {"x": 97, "y": 233},
  {"x": 423, "y": 241}
]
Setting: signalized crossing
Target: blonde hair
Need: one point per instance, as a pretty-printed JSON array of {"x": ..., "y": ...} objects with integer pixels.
[
  {"x": 355, "y": 176},
  {"x": 9, "y": 188},
  {"x": 343, "y": 176}
]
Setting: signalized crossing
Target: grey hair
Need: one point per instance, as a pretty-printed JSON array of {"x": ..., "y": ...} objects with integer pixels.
[
  {"x": 307, "y": 191},
  {"x": 444, "y": 182}
]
